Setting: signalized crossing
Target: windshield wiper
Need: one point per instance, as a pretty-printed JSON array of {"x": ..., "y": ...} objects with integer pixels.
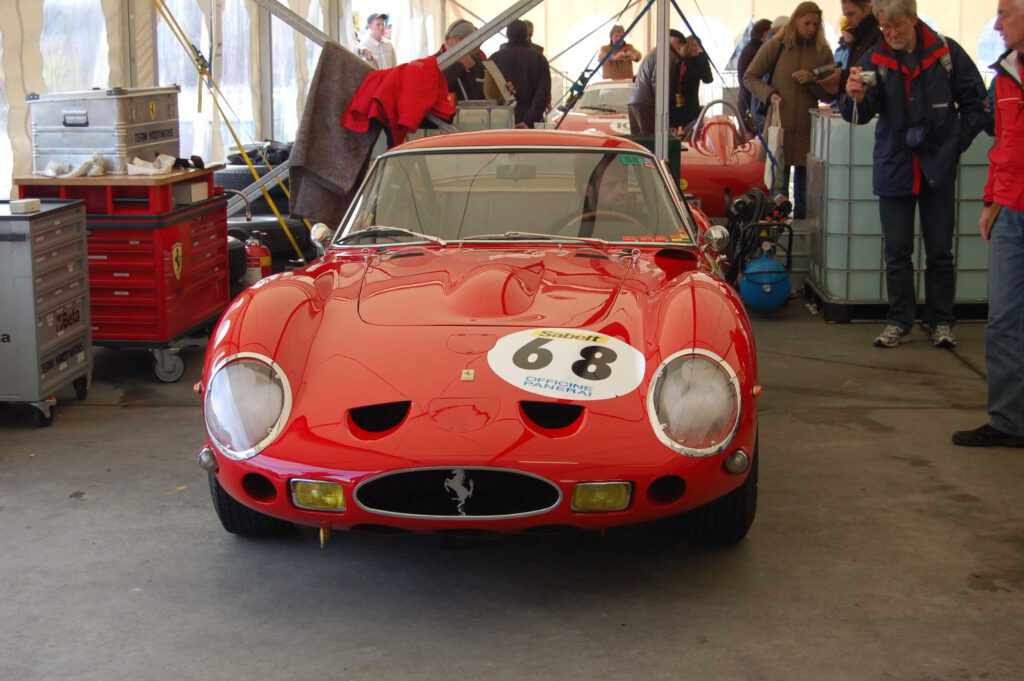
[
  {"x": 513, "y": 236},
  {"x": 382, "y": 230},
  {"x": 600, "y": 109}
]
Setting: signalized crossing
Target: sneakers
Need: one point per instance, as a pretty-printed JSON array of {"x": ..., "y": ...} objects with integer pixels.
[
  {"x": 892, "y": 335},
  {"x": 943, "y": 336},
  {"x": 987, "y": 436}
]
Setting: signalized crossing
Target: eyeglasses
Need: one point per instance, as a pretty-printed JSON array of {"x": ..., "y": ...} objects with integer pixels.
[{"x": 896, "y": 25}]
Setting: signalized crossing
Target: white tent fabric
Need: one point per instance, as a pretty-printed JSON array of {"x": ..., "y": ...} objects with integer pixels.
[{"x": 418, "y": 27}]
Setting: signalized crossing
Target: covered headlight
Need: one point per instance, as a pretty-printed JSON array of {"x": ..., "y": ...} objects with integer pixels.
[
  {"x": 694, "y": 403},
  {"x": 247, "y": 402}
]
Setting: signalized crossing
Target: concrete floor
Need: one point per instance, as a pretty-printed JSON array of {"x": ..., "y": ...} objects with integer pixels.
[{"x": 880, "y": 551}]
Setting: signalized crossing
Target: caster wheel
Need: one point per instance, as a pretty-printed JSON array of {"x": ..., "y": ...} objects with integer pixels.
[
  {"x": 41, "y": 418},
  {"x": 170, "y": 369},
  {"x": 81, "y": 386}
]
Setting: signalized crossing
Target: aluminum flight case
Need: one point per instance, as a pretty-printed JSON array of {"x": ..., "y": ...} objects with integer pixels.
[{"x": 120, "y": 124}]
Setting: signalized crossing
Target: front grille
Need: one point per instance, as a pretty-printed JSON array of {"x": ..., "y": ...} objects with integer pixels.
[{"x": 458, "y": 492}]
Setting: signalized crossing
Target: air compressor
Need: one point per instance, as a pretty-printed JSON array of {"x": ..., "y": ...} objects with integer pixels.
[{"x": 757, "y": 226}]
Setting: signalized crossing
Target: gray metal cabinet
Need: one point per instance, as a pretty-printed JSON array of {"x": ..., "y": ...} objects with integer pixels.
[{"x": 45, "y": 332}]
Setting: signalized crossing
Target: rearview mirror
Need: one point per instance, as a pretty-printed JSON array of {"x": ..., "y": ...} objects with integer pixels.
[
  {"x": 517, "y": 172},
  {"x": 715, "y": 238},
  {"x": 320, "y": 234}
]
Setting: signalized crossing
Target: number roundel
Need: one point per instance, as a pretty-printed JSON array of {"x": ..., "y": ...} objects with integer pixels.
[{"x": 573, "y": 364}]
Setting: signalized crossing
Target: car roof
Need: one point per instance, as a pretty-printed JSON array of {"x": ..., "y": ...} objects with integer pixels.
[{"x": 522, "y": 138}]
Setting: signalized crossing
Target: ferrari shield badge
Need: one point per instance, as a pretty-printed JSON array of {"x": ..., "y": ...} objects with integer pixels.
[
  {"x": 152, "y": 111},
  {"x": 177, "y": 258}
]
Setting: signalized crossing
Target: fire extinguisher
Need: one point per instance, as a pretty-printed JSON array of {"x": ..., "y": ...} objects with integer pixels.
[{"x": 257, "y": 260}]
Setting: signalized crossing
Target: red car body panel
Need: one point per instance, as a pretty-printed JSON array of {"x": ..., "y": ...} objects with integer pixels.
[{"x": 360, "y": 327}]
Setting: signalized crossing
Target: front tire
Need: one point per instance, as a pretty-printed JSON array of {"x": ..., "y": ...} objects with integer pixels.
[
  {"x": 240, "y": 519},
  {"x": 727, "y": 520}
]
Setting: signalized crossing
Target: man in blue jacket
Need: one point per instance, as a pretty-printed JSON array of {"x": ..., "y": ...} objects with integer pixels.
[{"x": 929, "y": 98}]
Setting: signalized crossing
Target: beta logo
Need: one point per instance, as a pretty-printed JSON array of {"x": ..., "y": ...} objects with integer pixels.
[{"x": 574, "y": 364}]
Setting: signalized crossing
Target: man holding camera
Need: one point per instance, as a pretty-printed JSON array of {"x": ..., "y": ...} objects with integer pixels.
[{"x": 929, "y": 98}]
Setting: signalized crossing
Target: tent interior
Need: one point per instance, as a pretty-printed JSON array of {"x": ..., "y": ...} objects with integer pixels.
[{"x": 260, "y": 66}]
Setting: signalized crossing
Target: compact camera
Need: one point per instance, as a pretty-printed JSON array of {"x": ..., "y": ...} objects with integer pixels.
[
  {"x": 822, "y": 71},
  {"x": 869, "y": 78}
]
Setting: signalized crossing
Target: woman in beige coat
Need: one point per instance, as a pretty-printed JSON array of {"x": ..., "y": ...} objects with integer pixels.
[{"x": 790, "y": 56}]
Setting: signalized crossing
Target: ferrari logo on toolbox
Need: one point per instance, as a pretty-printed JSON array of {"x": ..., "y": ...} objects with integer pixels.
[
  {"x": 177, "y": 258},
  {"x": 152, "y": 111}
]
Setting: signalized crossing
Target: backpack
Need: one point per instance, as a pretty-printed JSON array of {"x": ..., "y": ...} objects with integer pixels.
[{"x": 946, "y": 60}]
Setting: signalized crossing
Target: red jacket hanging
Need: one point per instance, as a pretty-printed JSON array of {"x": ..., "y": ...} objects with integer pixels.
[{"x": 400, "y": 98}]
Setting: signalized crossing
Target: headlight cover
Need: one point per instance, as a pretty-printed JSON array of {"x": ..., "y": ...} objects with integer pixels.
[
  {"x": 247, "y": 403},
  {"x": 694, "y": 403}
]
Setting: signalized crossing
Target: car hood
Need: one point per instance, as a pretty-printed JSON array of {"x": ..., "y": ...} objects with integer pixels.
[{"x": 480, "y": 286}]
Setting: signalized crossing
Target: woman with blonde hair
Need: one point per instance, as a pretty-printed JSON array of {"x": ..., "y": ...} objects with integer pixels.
[{"x": 790, "y": 57}]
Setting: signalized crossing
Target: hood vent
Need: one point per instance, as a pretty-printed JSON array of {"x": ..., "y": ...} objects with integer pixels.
[
  {"x": 377, "y": 419},
  {"x": 552, "y": 415}
]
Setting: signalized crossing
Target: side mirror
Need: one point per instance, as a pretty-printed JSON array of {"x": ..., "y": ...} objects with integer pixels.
[
  {"x": 320, "y": 234},
  {"x": 715, "y": 238}
]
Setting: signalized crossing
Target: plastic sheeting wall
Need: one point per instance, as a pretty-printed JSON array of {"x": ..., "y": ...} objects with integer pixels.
[{"x": 417, "y": 30}]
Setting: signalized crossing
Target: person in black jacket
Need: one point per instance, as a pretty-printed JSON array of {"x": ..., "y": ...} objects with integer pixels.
[
  {"x": 757, "y": 34},
  {"x": 694, "y": 68},
  {"x": 466, "y": 76},
  {"x": 527, "y": 70},
  {"x": 641, "y": 100},
  {"x": 929, "y": 99},
  {"x": 863, "y": 25}
]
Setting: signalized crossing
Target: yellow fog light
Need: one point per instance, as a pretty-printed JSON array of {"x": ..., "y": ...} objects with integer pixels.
[
  {"x": 318, "y": 495},
  {"x": 601, "y": 496}
]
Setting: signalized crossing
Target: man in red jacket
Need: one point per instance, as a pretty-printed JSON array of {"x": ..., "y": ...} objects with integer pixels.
[{"x": 1002, "y": 224}]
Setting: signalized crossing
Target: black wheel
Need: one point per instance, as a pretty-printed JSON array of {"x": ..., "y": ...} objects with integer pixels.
[
  {"x": 726, "y": 520},
  {"x": 240, "y": 519},
  {"x": 81, "y": 386}
]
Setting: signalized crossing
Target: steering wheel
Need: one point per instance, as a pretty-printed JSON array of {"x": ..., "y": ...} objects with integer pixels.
[
  {"x": 602, "y": 214},
  {"x": 698, "y": 125}
]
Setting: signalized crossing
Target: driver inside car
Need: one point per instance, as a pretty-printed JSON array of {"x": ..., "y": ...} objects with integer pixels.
[{"x": 609, "y": 210}]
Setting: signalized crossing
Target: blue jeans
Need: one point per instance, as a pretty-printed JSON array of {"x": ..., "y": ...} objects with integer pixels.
[
  {"x": 937, "y": 207},
  {"x": 1004, "y": 334}
]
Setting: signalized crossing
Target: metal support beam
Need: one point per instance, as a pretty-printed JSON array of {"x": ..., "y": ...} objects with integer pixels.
[
  {"x": 294, "y": 20},
  {"x": 661, "y": 84},
  {"x": 265, "y": 124}
]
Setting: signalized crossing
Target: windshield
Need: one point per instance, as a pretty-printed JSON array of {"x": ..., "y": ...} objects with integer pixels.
[
  {"x": 606, "y": 98},
  {"x": 556, "y": 193}
]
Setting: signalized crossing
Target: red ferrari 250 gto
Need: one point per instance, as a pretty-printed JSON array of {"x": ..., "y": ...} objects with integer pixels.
[{"x": 511, "y": 331}]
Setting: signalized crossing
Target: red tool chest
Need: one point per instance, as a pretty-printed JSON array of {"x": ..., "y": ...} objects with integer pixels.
[
  {"x": 157, "y": 253},
  {"x": 153, "y": 278}
]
